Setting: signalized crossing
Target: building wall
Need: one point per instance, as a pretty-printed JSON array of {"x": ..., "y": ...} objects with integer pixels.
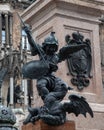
[
  {"x": 15, "y": 26},
  {"x": 65, "y": 17}
]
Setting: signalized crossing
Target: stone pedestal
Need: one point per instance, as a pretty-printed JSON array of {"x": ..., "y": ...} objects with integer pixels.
[{"x": 39, "y": 125}]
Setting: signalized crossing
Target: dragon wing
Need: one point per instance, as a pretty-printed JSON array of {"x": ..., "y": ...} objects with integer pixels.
[{"x": 77, "y": 105}]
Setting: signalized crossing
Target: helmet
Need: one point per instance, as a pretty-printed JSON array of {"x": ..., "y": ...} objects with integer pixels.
[
  {"x": 75, "y": 35},
  {"x": 51, "y": 41}
]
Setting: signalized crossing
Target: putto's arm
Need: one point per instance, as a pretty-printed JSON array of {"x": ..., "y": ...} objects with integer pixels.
[
  {"x": 66, "y": 51},
  {"x": 33, "y": 45}
]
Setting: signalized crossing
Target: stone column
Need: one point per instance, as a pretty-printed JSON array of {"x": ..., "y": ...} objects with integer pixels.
[
  {"x": 0, "y": 31},
  {"x": 11, "y": 91},
  {"x": 11, "y": 30},
  {"x": 7, "y": 29},
  {"x": 25, "y": 93},
  {"x": 0, "y": 49}
]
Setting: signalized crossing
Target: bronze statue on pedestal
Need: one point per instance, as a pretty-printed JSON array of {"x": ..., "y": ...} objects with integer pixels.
[{"x": 52, "y": 89}]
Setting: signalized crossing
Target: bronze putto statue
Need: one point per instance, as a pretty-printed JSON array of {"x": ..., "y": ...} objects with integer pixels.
[{"x": 50, "y": 88}]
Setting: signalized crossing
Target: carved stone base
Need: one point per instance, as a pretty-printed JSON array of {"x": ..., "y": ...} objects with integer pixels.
[{"x": 40, "y": 125}]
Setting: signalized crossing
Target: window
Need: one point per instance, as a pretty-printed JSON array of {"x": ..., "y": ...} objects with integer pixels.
[
  {"x": 25, "y": 43},
  {"x": 3, "y": 37}
]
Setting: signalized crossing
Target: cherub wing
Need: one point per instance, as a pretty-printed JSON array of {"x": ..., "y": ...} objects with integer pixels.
[
  {"x": 66, "y": 51},
  {"x": 77, "y": 105}
]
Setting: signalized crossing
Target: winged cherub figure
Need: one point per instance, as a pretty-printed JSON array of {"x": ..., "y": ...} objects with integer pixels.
[{"x": 51, "y": 89}]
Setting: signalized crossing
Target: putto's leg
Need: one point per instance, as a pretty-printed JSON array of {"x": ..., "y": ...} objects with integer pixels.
[
  {"x": 53, "y": 120},
  {"x": 42, "y": 89}
]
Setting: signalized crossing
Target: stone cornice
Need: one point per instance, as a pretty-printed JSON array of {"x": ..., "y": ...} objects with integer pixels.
[
  {"x": 34, "y": 15},
  {"x": 34, "y": 8},
  {"x": 99, "y": 2},
  {"x": 93, "y": 8},
  {"x": 95, "y": 4}
]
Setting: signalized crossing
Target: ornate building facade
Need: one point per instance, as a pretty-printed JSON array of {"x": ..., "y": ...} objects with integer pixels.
[{"x": 13, "y": 54}]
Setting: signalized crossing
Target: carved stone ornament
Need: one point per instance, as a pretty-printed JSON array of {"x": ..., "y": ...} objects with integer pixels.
[
  {"x": 80, "y": 62},
  {"x": 7, "y": 118}
]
